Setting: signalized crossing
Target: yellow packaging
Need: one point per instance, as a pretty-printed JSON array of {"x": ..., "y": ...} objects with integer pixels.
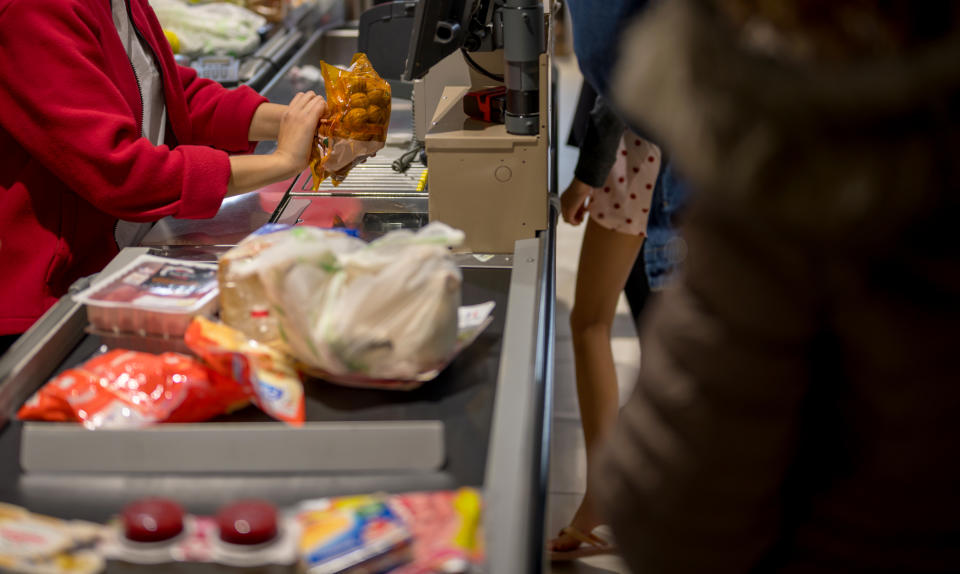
[{"x": 358, "y": 103}]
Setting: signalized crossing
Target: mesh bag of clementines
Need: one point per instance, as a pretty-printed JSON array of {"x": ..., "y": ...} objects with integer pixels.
[{"x": 358, "y": 100}]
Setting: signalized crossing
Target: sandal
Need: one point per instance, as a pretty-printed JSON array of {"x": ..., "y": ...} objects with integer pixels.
[{"x": 590, "y": 545}]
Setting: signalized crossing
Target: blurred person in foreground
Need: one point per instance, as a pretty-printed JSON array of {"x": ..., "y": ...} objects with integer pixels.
[{"x": 797, "y": 408}]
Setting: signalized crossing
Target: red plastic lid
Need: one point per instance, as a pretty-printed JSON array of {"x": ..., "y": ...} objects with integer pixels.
[
  {"x": 247, "y": 522},
  {"x": 152, "y": 520}
]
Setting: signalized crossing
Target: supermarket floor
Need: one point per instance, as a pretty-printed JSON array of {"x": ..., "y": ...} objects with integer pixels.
[{"x": 567, "y": 456}]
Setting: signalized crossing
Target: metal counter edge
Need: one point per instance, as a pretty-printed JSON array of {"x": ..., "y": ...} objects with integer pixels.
[{"x": 518, "y": 463}]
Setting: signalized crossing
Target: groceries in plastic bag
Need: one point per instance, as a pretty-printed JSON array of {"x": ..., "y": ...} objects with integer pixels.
[
  {"x": 127, "y": 389},
  {"x": 210, "y": 28},
  {"x": 35, "y": 544},
  {"x": 152, "y": 296},
  {"x": 266, "y": 374},
  {"x": 358, "y": 104},
  {"x": 243, "y": 302},
  {"x": 387, "y": 310}
]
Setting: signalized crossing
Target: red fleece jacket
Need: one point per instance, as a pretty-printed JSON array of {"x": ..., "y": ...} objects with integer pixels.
[{"x": 72, "y": 161}]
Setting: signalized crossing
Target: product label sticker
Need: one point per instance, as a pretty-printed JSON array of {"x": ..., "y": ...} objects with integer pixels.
[
  {"x": 181, "y": 280},
  {"x": 155, "y": 282},
  {"x": 471, "y": 317}
]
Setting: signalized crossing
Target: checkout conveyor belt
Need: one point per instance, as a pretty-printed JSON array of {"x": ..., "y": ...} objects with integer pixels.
[{"x": 491, "y": 402}]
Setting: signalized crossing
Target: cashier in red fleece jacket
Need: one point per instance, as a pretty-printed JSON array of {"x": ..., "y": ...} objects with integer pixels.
[{"x": 98, "y": 123}]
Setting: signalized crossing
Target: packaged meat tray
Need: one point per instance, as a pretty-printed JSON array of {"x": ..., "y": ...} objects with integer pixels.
[{"x": 152, "y": 296}]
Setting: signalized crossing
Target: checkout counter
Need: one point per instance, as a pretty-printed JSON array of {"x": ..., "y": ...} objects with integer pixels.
[{"x": 483, "y": 422}]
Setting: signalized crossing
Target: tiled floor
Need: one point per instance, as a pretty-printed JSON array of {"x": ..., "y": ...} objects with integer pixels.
[{"x": 568, "y": 460}]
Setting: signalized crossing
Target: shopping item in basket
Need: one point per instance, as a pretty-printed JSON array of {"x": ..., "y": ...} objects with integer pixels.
[
  {"x": 35, "y": 544},
  {"x": 152, "y": 296},
  {"x": 128, "y": 389},
  {"x": 358, "y": 106},
  {"x": 267, "y": 374},
  {"x": 387, "y": 310}
]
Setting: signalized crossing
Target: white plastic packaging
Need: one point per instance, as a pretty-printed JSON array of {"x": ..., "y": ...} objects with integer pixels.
[
  {"x": 387, "y": 310},
  {"x": 152, "y": 296},
  {"x": 210, "y": 28}
]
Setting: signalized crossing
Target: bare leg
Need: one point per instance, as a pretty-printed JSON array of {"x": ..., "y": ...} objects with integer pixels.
[{"x": 606, "y": 258}]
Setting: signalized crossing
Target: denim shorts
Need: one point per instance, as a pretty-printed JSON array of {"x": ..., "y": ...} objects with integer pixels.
[{"x": 664, "y": 250}]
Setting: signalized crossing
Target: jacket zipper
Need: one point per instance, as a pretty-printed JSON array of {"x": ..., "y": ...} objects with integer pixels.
[
  {"x": 136, "y": 76},
  {"x": 149, "y": 48}
]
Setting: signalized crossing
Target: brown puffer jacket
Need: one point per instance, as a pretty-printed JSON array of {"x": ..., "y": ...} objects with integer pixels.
[{"x": 798, "y": 408}]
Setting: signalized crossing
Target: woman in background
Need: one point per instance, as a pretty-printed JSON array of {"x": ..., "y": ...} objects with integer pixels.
[{"x": 614, "y": 181}]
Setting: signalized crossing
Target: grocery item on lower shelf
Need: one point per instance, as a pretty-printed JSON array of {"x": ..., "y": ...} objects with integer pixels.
[
  {"x": 414, "y": 533},
  {"x": 244, "y": 533},
  {"x": 35, "y": 544},
  {"x": 128, "y": 389},
  {"x": 352, "y": 534},
  {"x": 436, "y": 532},
  {"x": 152, "y": 296},
  {"x": 446, "y": 528}
]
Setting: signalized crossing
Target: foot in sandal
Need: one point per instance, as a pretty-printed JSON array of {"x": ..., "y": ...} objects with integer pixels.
[
  {"x": 586, "y": 544},
  {"x": 579, "y": 540}
]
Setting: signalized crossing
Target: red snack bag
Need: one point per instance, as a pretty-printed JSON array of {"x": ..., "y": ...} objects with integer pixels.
[{"x": 127, "y": 389}]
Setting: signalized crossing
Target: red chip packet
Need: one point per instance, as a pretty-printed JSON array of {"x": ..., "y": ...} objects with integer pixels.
[{"x": 129, "y": 389}]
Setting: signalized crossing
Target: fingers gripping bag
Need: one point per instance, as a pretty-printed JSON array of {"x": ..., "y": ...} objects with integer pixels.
[{"x": 358, "y": 103}]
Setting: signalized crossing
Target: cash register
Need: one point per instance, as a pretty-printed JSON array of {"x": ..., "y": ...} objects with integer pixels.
[{"x": 487, "y": 178}]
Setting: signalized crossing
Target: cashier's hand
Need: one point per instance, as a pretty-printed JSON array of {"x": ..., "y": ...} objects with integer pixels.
[
  {"x": 573, "y": 202},
  {"x": 297, "y": 128}
]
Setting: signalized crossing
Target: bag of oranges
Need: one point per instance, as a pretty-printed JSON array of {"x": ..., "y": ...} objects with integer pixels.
[{"x": 358, "y": 100}]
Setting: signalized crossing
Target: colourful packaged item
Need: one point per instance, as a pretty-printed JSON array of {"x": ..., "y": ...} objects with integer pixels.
[
  {"x": 358, "y": 104},
  {"x": 446, "y": 528},
  {"x": 358, "y": 534},
  {"x": 266, "y": 373},
  {"x": 35, "y": 544},
  {"x": 128, "y": 389},
  {"x": 152, "y": 296},
  {"x": 246, "y": 533}
]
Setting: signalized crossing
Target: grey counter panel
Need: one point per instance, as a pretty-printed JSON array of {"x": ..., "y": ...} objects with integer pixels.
[{"x": 232, "y": 448}]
